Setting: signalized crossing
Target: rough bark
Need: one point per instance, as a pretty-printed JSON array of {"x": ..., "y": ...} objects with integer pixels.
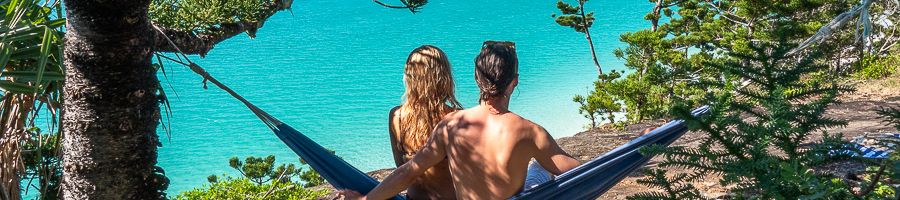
[
  {"x": 11, "y": 136},
  {"x": 111, "y": 110}
]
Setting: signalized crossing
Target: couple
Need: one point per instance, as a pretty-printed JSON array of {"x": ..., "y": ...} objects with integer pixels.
[{"x": 484, "y": 152}]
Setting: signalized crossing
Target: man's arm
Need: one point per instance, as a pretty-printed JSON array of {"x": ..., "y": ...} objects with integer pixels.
[
  {"x": 553, "y": 158},
  {"x": 431, "y": 154}
]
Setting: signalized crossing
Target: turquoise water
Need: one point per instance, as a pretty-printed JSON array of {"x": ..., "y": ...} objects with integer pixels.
[{"x": 333, "y": 69}]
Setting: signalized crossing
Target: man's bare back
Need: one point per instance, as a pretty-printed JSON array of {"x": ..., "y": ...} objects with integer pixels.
[{"x": 489, "y": 152}]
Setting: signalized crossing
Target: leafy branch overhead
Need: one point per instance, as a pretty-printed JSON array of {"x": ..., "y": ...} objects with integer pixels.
[
  {"x": 195, "y": 26},
  {"x": 413, "y": 5}
]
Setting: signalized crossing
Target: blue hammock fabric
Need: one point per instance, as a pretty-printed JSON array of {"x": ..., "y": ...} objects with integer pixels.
[
  {"x": 855, "y": 149},
  {"x": 335, "y": 170},
  {"x": 587, "y": 181},
  {"x": 595, "y": 177}
]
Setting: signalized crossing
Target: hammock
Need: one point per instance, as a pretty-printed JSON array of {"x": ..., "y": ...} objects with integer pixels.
[
  {"x": 593, "y": 178},
  {"x": 587, "y": 181},
  {"x": 858, "y": 148}
]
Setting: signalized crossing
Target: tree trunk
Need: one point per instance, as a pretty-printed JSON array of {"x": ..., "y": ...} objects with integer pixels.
[
  {"x": 111, "y": 110},
  {"x": 11, "y": 136},
  {"x": 655, "y": 21},
  {"x": 587, "y": 34},
  {"x": 611, "y": 116}
]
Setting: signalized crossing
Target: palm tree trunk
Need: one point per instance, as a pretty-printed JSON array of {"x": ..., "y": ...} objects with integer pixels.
[
  {"x": 13, "y": 124},
  {"x": 111, "y": 111}
]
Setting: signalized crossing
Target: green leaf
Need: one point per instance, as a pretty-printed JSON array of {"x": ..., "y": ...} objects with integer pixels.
[
  {"x": 56, "y": 23},
  {"x": 5, "y": 52},
  {"x": 26, "y": 53},
  {"x": 45, "y": 54},
  {"x": 13, "y": 87},
  {"x": 20, "y": 33},
  {"x": 11, "y": 8},
  {"x": 32, "y": 75}
]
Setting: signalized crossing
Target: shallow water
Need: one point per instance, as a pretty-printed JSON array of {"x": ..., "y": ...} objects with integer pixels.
[{"x": 333, "y": 69}]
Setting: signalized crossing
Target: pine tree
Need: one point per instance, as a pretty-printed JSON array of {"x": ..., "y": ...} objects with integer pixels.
[
  {"x": 763, "y": 109},
  {"x": 600, "y": 104},
  {"x": 575, "y": 17},
  {"x": 671, "y": 55}
]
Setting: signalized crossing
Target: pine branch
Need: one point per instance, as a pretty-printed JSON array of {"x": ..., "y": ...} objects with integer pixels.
[
  {"x": 413, "y": 8},
  {"x": 202, "y": 41}
]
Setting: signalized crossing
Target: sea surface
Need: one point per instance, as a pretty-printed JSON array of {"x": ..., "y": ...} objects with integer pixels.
[{"x": 333, "y": 69}]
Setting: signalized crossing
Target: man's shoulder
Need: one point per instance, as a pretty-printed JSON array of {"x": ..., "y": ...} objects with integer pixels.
[
  {"x": 524, "y": 124},
  {"x": 455, "y": 115}
]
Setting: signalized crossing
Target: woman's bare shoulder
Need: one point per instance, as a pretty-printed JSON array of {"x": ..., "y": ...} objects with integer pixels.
[{"x": 393, "y": 119}]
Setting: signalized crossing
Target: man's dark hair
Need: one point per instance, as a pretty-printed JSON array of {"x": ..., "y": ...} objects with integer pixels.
[{"x": 495, "y": 68}]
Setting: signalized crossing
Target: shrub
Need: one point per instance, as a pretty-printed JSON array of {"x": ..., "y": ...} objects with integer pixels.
[
  {"x": 260, "y": 179},
  {"x": 874, "y": 67},
  {"x": 242, "y": 188},
  {"x": 600, "y": 104}
]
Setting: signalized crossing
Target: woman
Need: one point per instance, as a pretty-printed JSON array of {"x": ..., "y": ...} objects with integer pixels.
[{"x": 429, "y": 96}]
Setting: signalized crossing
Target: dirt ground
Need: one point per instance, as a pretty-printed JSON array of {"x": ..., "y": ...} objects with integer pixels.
[{"x": 858, "y": 108}]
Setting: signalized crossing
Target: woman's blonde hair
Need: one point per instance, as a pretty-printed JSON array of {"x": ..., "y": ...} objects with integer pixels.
[{"x": 429, "y": 95}]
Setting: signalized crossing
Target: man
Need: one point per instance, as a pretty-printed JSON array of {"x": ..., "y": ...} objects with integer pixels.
[{"x": 488, "y": 146}]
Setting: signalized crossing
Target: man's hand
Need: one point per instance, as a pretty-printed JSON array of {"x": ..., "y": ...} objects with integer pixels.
[{"x": 351, "y": 195}]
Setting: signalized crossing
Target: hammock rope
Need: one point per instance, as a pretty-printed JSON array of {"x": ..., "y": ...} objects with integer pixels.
[
  {"x": 267, "y": 119},
  {"x": 335, "y": 170}
]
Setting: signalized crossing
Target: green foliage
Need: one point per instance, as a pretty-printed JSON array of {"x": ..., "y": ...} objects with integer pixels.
[
  {"x": 311, "y": 177},
  {"x": 884, "y": 182},
  {"x": 642, "y": 98},
  {"x": 666, "y": 60},
  {"x": 574, "y": 16},
  {"x": 416, "y": 4},
  {"x": 245, "y": 189},
  {"x": 31, "y": 77},
  {"x": 259, "y": 170},
  {"x": 600, "y": 104},
  {"x": 891, "y": 116},
  {"x": 203, "y": 15},
  {"x": 260, "y": 180},
  {"x": 874, "y": 67},
  {"x": 31, "y": 53},
  {"x": 42, "y": 163},
  {"x": 672, "y": 189},
  {"x": 762, "y": 109}
]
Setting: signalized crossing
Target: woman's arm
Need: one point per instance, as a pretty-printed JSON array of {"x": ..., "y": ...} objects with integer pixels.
[
  {"x": 395, "y": 140},
  {"x": 433, "y": 152}
]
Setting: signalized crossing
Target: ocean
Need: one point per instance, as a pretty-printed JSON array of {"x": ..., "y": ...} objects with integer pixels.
[{"x": 333, "y": 70}]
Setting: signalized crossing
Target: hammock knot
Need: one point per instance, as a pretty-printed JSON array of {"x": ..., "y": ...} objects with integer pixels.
[{"x": 199, "y": 70}]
